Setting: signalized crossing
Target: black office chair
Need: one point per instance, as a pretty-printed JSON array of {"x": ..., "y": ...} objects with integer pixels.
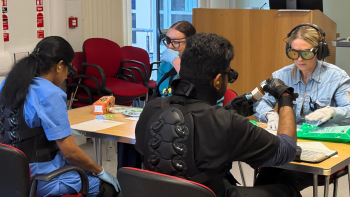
[
  {"x": 137, "y": 182},
  {"x": 15, "y": 177}
]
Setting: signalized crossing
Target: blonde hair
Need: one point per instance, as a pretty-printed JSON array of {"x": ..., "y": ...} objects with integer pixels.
[{"x": 307, "y": 33}]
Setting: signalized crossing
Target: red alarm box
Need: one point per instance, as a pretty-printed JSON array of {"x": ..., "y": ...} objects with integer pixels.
[{"x": 73, "y": 22}]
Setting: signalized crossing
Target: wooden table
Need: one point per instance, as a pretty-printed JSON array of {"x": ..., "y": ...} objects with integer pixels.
[
  {"x": 126, "y": 133},
  {"x": 325, "y": 168},
  {"x": 122, "y": 133}
]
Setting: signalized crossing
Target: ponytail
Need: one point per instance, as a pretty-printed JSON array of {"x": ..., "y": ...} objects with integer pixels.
[{"x": 18, "y": 80}]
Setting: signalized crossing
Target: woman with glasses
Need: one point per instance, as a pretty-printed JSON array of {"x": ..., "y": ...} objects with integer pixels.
[
  {"x": 34, "y": 120},
  {"x": 323, "y": 95},
  {"x": 175, "y": 41},
  {"x": 323, "y": 87}
]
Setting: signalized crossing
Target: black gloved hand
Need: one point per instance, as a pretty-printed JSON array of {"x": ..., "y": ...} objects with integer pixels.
[
  {"x": 277, "y": 87},
  {"x": 241, "y": 105}
]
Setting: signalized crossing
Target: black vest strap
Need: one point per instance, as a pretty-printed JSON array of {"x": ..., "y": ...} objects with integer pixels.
[
  {"x": 165, "y": 103},
  {"x": 156, "y": 92}
]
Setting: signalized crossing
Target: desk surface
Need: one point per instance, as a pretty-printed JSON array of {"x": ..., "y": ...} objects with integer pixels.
[
  {"x": 327, "y": 167},
  {"x": 126, "y": 133},
  {"x": 121, "y": 133}
]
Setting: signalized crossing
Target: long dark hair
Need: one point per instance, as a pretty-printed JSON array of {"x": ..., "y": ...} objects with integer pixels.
[
  {"x": 184, "y": 27},
  {"x": 47, "y": 53}
]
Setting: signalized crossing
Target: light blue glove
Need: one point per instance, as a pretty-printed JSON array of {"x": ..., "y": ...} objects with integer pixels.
[
  {"x": 107, "y": 177},
  {"x": 169, "y": 55}
]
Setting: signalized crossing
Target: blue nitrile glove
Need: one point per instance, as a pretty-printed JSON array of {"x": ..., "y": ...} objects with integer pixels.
[
  {"x": 169, "y": 55},
  {"x": 107, "y": 177}
]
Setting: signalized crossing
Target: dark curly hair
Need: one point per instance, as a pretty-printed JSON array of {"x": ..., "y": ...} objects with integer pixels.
[{"x": 205, "y": 56}]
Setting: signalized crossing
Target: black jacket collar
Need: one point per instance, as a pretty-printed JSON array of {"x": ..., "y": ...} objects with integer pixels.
[{"x": 182, "y": 87}]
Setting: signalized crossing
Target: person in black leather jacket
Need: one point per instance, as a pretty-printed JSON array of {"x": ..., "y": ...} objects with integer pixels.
[{"x": 218, "y": 136}]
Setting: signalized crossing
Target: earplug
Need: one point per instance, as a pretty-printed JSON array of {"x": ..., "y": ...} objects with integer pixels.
[
  {"x": 59, "y": 67},
  {"x": 217, "y": 82}
]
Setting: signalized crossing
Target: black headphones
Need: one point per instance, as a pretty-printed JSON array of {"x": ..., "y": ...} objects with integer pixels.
[{"x": 323, "y": 49}]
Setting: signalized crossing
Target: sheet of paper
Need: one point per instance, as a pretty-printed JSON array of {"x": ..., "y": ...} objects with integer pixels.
[
  {"x": 95, "y": 125},
  {"x": 315, "y": 146},
  {"x": 133, "y": 118}
]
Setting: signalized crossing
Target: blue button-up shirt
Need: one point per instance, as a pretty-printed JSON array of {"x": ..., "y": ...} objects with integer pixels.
[{"x": 328, "y": 86}]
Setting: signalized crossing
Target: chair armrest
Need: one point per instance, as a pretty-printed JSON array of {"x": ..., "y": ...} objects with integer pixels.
[
  {"x": 53, "y": 174},
  {"x": 155, "y": 63},
  {"x": 102, "y": 73},
  {"x": 132, "y": 74},
  {"x": 154, "y": 69},
  {"x": 144, "y": 79},
  {"x": 97, "y": 83},
  {"x": 87, "y": 90},
  {"x": 126, "y": 78},
  {"x": 136, "y": 62}
]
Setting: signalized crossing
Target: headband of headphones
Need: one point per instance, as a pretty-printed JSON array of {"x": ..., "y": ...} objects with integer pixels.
[{"x": 323, "y": 49}]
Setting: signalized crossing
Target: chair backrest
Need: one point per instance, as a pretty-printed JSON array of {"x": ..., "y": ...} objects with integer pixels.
[
  {"x": 77, "y": 63},
  {"x": 229, "y": 95},
  {"x": 137, "y": 182},
  {"x": 14, "y": 172},
  {"x": 104, "y": 53},
  {"x": 138, "y": 54}
]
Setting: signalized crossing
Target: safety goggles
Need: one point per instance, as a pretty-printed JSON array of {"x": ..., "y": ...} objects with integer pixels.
[
  {"x": 232, "y": 75},
  {"x": 305, "y": 54},
  {"x": 167, "y": 41},
  {"x": 71, "y": 70}
]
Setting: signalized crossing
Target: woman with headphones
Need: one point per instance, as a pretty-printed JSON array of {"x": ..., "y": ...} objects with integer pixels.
[
  {"x": 323, "y": 90},
  {"x": 322, "y": 87}
]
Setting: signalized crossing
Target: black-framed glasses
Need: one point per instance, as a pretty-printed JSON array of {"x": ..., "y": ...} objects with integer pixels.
[
  {"x": 232, "y": 75},
  {"x": 167, "y": 41},
  {"x": 307, "y": 54}
]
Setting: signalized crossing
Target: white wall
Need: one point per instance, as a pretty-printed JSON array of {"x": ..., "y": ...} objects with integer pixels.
[
  {"x": 338, "y": 11},
  {"x": 22, "y": 25},
  {"x": 75, "y": 35}
]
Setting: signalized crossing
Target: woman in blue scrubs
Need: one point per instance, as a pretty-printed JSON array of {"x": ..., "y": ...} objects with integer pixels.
[{"x": 32, "y": 87}]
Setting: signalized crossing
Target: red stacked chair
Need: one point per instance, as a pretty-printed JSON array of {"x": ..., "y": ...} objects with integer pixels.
[
  {"x": 78, "y": 94},
  {"x": 141, "y": 56},
  {"x": 103, "y": 64}
]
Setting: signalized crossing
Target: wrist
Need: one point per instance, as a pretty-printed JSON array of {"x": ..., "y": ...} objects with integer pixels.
[
  {"x": 285, "y": 101},
  {"x": 286, "y": 94},
  {"x": 100, "y": 173}
]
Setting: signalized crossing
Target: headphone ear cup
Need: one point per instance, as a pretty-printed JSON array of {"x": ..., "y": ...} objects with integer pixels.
[
  {"x": 287, "y": 49},
  {"x": 320, "y": 50},
  {"x": 325, "y": 50}
]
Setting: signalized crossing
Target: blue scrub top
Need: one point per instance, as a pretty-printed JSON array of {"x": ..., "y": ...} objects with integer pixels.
[{"x": 45, "y": 106}]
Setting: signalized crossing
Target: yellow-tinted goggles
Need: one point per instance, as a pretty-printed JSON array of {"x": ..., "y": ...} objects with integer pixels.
[{"x": 305, "y": 54}]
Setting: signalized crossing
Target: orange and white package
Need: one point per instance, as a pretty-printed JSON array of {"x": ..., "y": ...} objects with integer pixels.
[{"x": 102, "y": 105}]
